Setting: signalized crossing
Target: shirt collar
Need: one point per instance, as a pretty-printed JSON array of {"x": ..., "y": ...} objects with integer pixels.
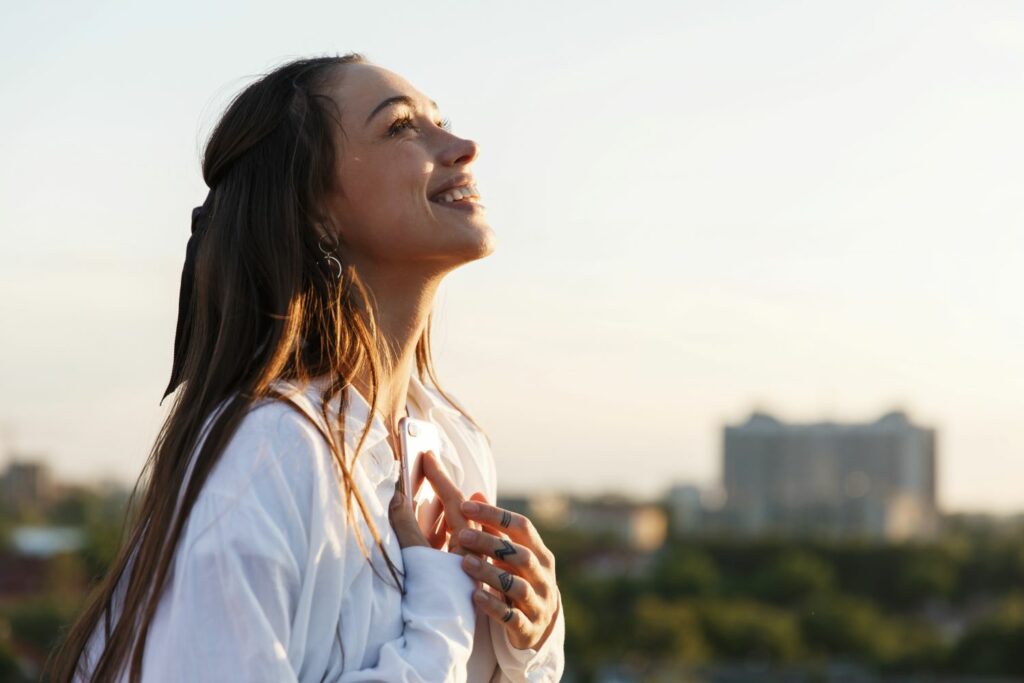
[{"x": 376, "y": 457}]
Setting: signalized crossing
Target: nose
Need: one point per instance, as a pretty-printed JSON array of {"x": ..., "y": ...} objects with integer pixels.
[{"x": 460, "y": 151}]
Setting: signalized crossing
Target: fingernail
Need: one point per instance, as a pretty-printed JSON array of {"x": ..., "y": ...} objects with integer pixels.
[
  {"x": 470, "y": 507},
  {"x": 467, "y": 535},
  {"x": 397, "y": 500},
  {"x": 472, "y": 561}
]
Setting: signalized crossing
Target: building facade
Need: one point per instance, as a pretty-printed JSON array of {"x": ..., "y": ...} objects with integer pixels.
[{"x": 874, "y": 480}]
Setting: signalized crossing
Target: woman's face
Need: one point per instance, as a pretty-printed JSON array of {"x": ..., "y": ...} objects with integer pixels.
[{"x": 393, "y": 157}]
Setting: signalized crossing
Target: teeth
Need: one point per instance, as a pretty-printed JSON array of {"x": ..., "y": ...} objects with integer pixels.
[{"x": 457, "y": 194}]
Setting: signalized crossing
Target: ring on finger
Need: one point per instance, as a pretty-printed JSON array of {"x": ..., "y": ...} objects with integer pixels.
[{"x": 505, "y": 579}]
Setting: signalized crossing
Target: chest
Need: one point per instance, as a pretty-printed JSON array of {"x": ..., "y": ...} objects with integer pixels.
[{"x": 370, "y": 609}]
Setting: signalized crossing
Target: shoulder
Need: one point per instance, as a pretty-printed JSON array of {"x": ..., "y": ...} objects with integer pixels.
[
  {"x": 276, "y": 463},
  {"x": 272, "y": 435}
]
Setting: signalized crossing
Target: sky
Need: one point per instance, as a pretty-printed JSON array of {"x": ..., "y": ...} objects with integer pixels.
[{"x": 701, "y": 208}]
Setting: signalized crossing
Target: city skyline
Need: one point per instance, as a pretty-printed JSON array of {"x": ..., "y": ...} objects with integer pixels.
[
  {"x": 711, "y": 496},
  {"x": 811, "y": 210}
]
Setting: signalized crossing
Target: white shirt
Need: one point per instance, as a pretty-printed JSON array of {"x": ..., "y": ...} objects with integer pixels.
[{"x": 268, "y": 581}]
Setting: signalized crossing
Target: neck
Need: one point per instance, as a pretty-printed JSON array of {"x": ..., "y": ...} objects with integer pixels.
[{"x": 403, "y": 305}]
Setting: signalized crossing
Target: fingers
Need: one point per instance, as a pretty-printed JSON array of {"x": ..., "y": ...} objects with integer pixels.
[
  {"x": 450, "y": 495},
  {"x": 519, "y": 626},
  {"x": 517, "y": 526},
  {"x": 512, "y": 586},
  {"x": 403, "y": 520},
  {"x": 519, "y": 558}
]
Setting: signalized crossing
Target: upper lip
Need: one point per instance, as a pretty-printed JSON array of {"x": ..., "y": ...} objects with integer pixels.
[{"x": 452, "y": 183}]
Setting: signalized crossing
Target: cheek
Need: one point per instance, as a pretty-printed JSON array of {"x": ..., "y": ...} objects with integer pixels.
[
  {"x": 386, "y": 198},
  {"x": 392, "y": 179}
]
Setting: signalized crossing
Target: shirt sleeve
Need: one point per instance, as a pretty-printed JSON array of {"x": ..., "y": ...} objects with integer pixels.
[
  {"x": 543, "y": 665},
  {"x": 439, "y": 623}
]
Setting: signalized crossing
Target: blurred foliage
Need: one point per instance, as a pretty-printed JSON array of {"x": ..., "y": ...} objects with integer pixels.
[
  {"x": 995, "y": 645},
  {"x": 685, "y": 572},
  {"x": 37, "y": 622},
  {"x": 10, "y": 671},
  {"x": 31, "y": 627},
  {"x": 909, "y": 607},
  {"x": 793, "y": 577},
  {"x": 742, "y": 629}
]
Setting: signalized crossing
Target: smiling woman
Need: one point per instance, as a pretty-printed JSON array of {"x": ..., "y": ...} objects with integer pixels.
[{"x": 338, "y": 201}]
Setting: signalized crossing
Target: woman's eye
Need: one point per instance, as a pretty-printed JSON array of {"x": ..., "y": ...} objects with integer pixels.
[
  {"x": 406, "y": 122},
  {"x": 399, "y": 124}
]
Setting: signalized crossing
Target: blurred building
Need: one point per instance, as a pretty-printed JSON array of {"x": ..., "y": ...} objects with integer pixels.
[
  {"x": 26, "y": 485},
  {"x": 686, "y": 509},
  {"x": 638, "y": 526},
  {"x": 874, "y": 480}
]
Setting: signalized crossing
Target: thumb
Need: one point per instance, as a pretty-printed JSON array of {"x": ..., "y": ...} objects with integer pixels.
[{"x": 407, "y": 529}]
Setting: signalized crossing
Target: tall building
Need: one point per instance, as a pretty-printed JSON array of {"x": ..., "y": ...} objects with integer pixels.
[{"x": 875, "y": 480}]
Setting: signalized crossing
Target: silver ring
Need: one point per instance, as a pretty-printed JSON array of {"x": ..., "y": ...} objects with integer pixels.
[
  {"x": 334, "y": 264},
  {"x": 323, "y": 250}
]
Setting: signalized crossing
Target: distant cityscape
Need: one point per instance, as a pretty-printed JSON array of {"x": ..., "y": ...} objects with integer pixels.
[{"x": 874, "y": 480}]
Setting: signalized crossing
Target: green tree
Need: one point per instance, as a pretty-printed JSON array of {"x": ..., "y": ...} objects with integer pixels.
[
  {"x": 923, "y": 575},
  {"x": 995, "y": 645},
  {"x": 685, "y": 572},
  {"x": 743, "y": 631},
  {"x": 793, "y": 577},
  {"x": 668, "y": 631}
]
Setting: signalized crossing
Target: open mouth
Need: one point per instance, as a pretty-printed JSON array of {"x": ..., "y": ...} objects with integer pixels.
[
  {"x": 459, "y": 197},
  {"x": 463, "y": 204}
]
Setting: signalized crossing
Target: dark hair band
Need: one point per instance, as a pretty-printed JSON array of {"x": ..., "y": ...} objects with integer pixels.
[{"x": 188, "y": 275}]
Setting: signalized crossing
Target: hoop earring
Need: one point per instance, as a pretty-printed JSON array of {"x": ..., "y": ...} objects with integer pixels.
[{"x": 329, "y": 259}]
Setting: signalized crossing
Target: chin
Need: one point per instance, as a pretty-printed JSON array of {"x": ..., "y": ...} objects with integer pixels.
[
  {"x": 482, "y": 244},
  {"x": 487, "y": 242}
]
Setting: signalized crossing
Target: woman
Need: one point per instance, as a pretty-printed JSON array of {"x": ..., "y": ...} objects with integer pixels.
[{"x": 308, "y": 285}]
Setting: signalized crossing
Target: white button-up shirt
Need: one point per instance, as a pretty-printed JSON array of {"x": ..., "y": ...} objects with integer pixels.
[{"x": 268, "y": 581}]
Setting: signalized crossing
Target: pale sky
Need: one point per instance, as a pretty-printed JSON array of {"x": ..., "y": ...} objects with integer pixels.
[{"x": 810, "y": 208}]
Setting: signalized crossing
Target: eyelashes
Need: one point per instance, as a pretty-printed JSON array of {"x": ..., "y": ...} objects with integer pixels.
[{"x": 406, "y": 121}]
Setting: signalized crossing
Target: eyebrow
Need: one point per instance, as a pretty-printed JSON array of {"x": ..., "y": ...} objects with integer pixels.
[{"x": 397, "y": 99}]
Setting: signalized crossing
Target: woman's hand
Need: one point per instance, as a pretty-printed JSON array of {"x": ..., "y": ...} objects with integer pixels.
[
  {"x": 403, "y": 517},
  {"x": 525, "y": 598}
]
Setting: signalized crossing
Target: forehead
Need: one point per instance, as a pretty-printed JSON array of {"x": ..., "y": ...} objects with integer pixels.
[{"x": 364, "y": 86}]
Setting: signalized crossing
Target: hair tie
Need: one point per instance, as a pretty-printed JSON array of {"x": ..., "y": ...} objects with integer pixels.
[{"x": 188, "y": 274}]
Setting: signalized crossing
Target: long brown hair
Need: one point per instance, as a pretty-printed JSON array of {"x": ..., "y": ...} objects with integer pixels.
[{"x": 263, "y": 308}]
